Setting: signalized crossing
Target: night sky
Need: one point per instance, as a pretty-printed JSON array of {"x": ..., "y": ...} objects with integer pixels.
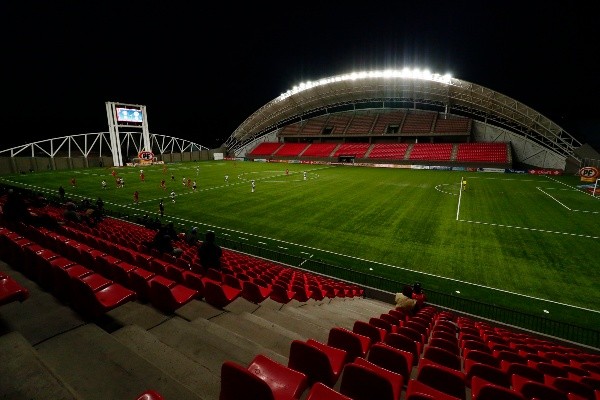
[{"x": 202, "y": 70}]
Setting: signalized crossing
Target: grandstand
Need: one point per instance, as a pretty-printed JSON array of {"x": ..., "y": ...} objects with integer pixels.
[{"x": 95, "y": 313}]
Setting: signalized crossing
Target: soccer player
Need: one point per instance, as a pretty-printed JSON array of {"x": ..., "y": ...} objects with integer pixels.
[
  {"x": 304, "y": 175},
  {"x": 163, "y": 184},
  {"x": 161, "y": 208},
  {"x": 136, "y": 197},
  {"x": 287, "y": 171},
  {"x": 73, "y": 182},
  {"x": 226, "y": 178},
  {"x": 103, "y": 184},
  {"x": 253, "y": 185},
  {"x": 194, "y": 186},
  {"x": 172, "y": 196},
  {"x": 183, "y": 181},
  {"x": 142, "y": 177},
  {"x": 464, "y": 185}
]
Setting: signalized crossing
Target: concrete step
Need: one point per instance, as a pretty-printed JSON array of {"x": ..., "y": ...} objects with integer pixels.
[
  {"x": 98, "y": 366},
  {"x": 41, "y": 316},
  {"x": 182, "y": 368},
  {"x": 209, "y": 344},
  {"x": 293, "y": 322},
  {"x": 24, "y": 375},
  {"x": 262, "y": 331}
]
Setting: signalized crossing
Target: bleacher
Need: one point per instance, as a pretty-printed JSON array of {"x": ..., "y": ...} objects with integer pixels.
[
  {"x": 320, "y": 150},
  {"x": 431, "y": 151},
  {"x": 388, "y": 151},
  {"x": 357, "y": 150},
  {"x": 265, "y": 149},
  {"x": 482, "y": 152},
  {"x": 291, "y": 149},
  {"x": 274, "y": 332}
]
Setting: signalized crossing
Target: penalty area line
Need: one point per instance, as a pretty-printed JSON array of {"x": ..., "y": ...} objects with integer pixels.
[{"x": 529, "y": 229}]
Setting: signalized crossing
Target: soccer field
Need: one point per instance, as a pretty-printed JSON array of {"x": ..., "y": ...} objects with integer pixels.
[{"x": 534, "y": 236}]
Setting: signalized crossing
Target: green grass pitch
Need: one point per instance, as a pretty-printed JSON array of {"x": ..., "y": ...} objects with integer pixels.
[{"x": 522, "y": 241}]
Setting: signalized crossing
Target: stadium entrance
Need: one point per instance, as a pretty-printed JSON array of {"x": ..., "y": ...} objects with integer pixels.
[{"x": 346, "y": 159}]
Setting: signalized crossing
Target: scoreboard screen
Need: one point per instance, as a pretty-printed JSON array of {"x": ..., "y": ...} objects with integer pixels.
[{"x": 129, "y": 115}]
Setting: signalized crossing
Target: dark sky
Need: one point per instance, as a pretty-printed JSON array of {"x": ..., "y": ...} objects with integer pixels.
[{"x": 202, "y": 70}]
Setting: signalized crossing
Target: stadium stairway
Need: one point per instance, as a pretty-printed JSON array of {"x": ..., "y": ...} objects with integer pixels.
[{"x": 49, "y": 351}]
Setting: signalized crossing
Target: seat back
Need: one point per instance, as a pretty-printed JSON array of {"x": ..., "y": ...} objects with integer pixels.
[
  {"x": 445, "y": 344},
  {"x": 444, "y": 379},
  {"x": 361, "y": 383},
  {"x": 401, "y": 342},
  {"x": 285, "y": 382},
  {"x": 482, "y": 357},
  {"x": 374, "y": 333},
  {"x": 531, "y": 389},
  {"x": 311, "y": 361},
  {"x": 219, "y": 295},
  {"x": 391, "y": 358},
  {"x": 395, "y": 379},
  {"x": 483, "y": 371},
  {"x": 443, "y": 357},
  {"x": 522, "y": 370},
  {"x": 239, "y": 383},
  {"x": 254, "y": 293},
  {"x": 484, "y": 390},
  {"x": 354, "y": 344},
  {"x": 383, "y": 324},
  {"x": 570, "y": 386},
  {"x": 319, "y": 391}
]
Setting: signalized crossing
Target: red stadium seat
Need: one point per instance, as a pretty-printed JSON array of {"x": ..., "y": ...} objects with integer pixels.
[
  {"x": 360, "y": 382},
  {"x": 11, "y": 290},
  {"x": 354, "y": 344},
  {"x": 391, "y": 358},
  {"x": 219, "y": 295},
  {"x": 484, "y": 390},
  {"x": 318, "y": 361},
  {"x": 319, "y": 391}
]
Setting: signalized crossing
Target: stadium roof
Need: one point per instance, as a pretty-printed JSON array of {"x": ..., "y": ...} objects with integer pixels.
[{"x": 391, "y": 87}]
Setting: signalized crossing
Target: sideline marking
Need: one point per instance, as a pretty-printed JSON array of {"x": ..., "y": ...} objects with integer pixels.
[{"x": 529, "y": 229}]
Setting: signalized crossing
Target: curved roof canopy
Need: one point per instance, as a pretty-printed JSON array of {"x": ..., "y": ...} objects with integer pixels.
[{"x": 412, "y": 86}]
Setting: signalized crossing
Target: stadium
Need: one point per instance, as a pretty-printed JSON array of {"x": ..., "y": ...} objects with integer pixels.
[{"x": 327, "y": 201}]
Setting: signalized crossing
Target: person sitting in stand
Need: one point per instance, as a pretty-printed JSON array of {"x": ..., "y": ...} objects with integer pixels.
[
  {"x": 419, "y": 296},
  {"x": 191, "y": 238},
  {"x": 209, "y": 252},
  {"x": 404, "y": 300}
]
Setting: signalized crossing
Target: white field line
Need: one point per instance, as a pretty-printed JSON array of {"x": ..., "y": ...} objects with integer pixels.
[
  {"x": 553, "y": 198},
  {"x": 459, "y": 198}
]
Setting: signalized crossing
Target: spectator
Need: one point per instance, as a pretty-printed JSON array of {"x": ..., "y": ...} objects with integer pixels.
[
  {"x": 15, "y": 208},
  {"x": 404, "y": 300},
  {"x": 71, "y": 213},
  {"x": 191, "y": 238},
  {"x": 164, "y": 243},
  {"x": 419, "y": 296},
  {"x": 209, "y": 252}
]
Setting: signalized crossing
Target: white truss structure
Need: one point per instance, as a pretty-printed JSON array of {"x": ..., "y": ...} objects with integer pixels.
[{"x": 100, "y": 144}]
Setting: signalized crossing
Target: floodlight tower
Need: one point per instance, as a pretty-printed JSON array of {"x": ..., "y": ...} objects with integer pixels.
[{"x": 122, "y": 115}]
